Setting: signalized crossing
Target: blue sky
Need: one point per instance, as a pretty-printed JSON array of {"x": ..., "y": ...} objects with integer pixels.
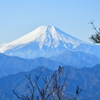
[{"x": 19, "y": 17}]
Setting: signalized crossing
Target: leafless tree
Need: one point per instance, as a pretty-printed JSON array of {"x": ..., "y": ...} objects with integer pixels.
[{"x": 54, "y": 87}]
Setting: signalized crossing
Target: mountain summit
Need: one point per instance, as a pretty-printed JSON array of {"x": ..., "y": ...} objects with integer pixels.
[
  {"x": 44, "y": 36},
  {"x": 44, "y": 41}
]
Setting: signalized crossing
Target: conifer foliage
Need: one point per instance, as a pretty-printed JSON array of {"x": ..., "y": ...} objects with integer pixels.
[{"x": 95, "y": 37}]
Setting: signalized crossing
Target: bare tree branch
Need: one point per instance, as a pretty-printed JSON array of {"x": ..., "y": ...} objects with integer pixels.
[
  {"x": 18, "y": 95},
  {"x": 54, "y": 87}
]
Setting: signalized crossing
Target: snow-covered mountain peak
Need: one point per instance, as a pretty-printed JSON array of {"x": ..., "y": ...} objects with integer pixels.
[
  {"x": 39, "y": 35},
  {"x": 45, "y": 35},
  {"x": 44, "y": 41}
]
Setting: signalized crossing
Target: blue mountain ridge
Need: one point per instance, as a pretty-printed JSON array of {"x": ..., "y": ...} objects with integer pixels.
[
  {"x": 87, "y": 78},
  {"x": 77, "y": 59},
  {"x": 11, "y": 64}
]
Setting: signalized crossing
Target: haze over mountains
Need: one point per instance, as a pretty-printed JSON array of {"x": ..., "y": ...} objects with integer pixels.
[{"x": 47, "y": 41}]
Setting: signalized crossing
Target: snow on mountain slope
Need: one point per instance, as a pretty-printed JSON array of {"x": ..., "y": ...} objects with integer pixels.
[
  {"x": 44, "y": 41},
  {"x": 43, "y": 35}
]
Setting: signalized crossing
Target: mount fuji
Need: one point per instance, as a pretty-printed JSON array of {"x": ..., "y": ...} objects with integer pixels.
[{"x": 46, "y": 41}]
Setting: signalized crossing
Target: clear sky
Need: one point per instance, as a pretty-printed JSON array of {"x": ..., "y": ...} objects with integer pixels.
[{"x": 19, "y": 17}]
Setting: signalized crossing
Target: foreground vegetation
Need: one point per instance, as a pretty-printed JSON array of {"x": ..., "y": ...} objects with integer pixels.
[{"x": 54, "y": 87}]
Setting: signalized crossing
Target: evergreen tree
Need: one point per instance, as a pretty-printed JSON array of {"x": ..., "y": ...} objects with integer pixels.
[{"x": 95, "y": 37}]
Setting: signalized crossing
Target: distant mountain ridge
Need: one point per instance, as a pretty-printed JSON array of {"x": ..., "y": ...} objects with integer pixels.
[
  {"x": 46, "y": 41},
  {"x": 12, "y": 65},
  {"x": 87, "y": 78},
  {"x": 77, "y": 59}
]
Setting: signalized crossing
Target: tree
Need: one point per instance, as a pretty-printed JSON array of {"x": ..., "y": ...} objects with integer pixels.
[
  {"x": 54, "y": 87},
  {"x": 95, "y": 37}
]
